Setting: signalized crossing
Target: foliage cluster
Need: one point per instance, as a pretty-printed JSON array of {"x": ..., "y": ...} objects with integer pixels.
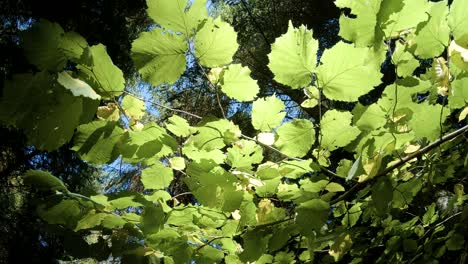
[{"x": 398, "y": 197}]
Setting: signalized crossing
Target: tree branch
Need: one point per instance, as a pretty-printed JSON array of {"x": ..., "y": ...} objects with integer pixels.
[{"x": 359, "y": 186}]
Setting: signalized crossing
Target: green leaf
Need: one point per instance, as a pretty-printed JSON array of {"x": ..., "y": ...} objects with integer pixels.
[
  {"x": 369, "y": 118},
  {"x": 77, "y": 86},
  {"x": 426, "y": 120},
  {"x": 90, "y": 220},
  {"x": 430, "y": 216},
  {"x": 458, "y": 23},
  {"x": 267, "y": 113},
  {"x": 403, "y": 15},
  {"x": 404, "y": 61},
  {"x": 295, "y": 138},
  {"x": 152, "y": 219},
  {"x": 178, "y": 126},
  {"x": 109, "y": 112},
  {"x": 360, "y": 30},
  {"x": 215, "y": 43},
  {"x": 267, "y": 212},
  {"x": 150, "y": 142},
  {"x": 284, "y": 258},
  {"x": 44, "y": 181},
  {"x": 314, "y": 96},
  {"x": 101, "y": 73},
  {"x": 269, "y": 188},
  {"x": 293, "y": 57},
  {"x": 348, "y": 72},
  {"x": 208, "y": 255},
  {"x": 196, "y": 154},
  {"x": 353, "y": 171},
  {"x": 247, "y": 211},
  {"x": 45, "y": 111},
  {"x": 255, "y": 245},
  {"x": 160, "y": 56},
  {"x": 382, "y": 195},
  {"x": 336, "y": 130},
  {"x": 95, "y": 142},
  {"x": 66, "y": 212},
  {"x": 313, "y": 186},
  {"x": 113, "y": 222},
  {"x": 177, "y": 163},
  {"x": 334, "y": 187},
  {"x": 157, "y": 176},
  {"x": 213, "y": 186},
  {"x": 458, "y": 96},
  {"x": 124, "y": 202},
  {"x": 73, "y": 45},
  {"x": 405, "y": 192},
  {"x": 133, "y": 107},
  {"x": 237, "y": 83},
  {"x": 294, "y": 169},
  {"x": 341, "y": 246},
  {"x": 455, "y": 242},
  {"x": 173, "y": 14},
  {"x": 352, "y": 215},
  {"x": 432, "y": 37},
  {"x": 243, "y": 154},
  {"x": 268, "y": 171},
  {"x": 312, "y": 215},
  {"x": 215, "y": 134},
  {"x": 41, "y": 45}
]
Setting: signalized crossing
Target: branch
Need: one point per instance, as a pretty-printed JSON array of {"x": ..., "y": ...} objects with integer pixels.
[
  {"x": 249, "y": 12},
  {"x": 202, "y": 70},
  {"x": 359, "y": 186},
  {"x": 209, "y": 242}
]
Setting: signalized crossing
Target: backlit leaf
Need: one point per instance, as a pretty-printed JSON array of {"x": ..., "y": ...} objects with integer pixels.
[
  {"x": 295, "y": 138},
  {"x": 215, "y": 43},
  {"x": 348, "y": 72},
  {"x": 336, "y": 129},
  {"x": 293, "y": 57},
  {"x": 159, "y": 56},
  {"x": 157, "y": 176},
  {"x": 238, "y": 84},
  {"x": 267, "y": 113}
]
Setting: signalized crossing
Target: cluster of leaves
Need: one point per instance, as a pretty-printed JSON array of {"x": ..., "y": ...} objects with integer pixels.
[{"x": 249, "y": 208}]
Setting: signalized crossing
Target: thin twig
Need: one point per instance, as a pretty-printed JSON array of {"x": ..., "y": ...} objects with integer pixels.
[
  {"x": 164, "y": 106},
  {"x": 180, "y": 194},
  {"x": 202, "y": 70},
  {"x": 209, "y": 242}
]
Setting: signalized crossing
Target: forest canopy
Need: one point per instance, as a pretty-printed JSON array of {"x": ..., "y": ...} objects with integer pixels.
[{"x": 287, "y": 131}]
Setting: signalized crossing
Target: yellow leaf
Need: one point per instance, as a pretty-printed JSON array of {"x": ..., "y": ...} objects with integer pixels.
[
  {"x": 110, "y": 112},
  {"x": 342, "y": 244},
  {"x": 213, "y": 75},
  {"x": 177, "y": 163},
  {"x": 412, "y": 148},
  {"x": 463, "y": 114}
]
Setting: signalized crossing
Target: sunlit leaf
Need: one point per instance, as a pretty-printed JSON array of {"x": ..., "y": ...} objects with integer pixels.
[
  {"x": 295, "y": 138},
  {"x": 215, "y": 43},
  {"x": 293, "y": 57},
  {"x": 237, "y": 83},
  {"x": 267, "y": 113},
  {"x": 348, "y": 72},
  {"x": 159, "y": 56}
]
